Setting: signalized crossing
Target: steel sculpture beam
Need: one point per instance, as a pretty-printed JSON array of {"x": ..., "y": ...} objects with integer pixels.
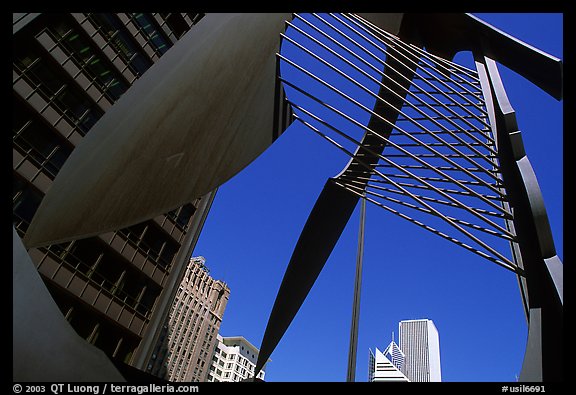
[
  {"x": 329, "y": 216},
  {"x": 455, "y": 130},
  {"x": 543, "y": 269},
  {"x": 201, "y": 114},
  {"x": 446, "y": 34},
  {"x": 355, "y": 322}
]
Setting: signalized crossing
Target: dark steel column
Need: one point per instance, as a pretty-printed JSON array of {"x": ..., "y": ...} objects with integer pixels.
[
  {"x": 351, "y": 375},
  {"x": 543, "y": 269}
]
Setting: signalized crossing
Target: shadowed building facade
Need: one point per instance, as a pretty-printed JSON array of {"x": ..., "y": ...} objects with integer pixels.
[{"x": 68, "y": 70}]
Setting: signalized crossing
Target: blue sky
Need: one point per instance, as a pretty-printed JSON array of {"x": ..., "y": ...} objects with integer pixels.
[{"x": 408, "y": 273}]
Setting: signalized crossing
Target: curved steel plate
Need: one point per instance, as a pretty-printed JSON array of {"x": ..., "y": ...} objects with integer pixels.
[
  {"x": 445, "y": 34},
  {"x": 321, "y": 232},
  {"x": 44, "y": 345},
  {"x": 197, "y": 117}
]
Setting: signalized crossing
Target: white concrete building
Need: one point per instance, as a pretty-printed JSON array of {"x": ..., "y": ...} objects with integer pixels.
[
  {"x": 420, "y": 343},
  {"x": 234, "y": 360}
]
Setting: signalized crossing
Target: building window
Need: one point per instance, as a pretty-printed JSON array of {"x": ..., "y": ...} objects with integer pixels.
[
  {"x": 55, "y": 86},
  {"x": 80, "y": 255},
  {"x": 84, "y": 54},
  {"x": 159, "y": 246},
  {"x": 148, "y": 300},
  {"x": 152, "y": 34},
  {"x": 184, "y": 215},
  {"x": 121, "y": 41},
  {"x": 36, "y": 141},
  {"x": 25, "y": 202},
  {"x": 176, "y": 23}
]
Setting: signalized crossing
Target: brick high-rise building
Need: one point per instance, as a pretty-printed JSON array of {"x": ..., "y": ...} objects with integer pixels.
[{"x": 189, "y": 337}]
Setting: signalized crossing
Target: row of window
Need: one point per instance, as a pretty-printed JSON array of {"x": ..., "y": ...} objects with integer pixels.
[
  {"x": 236, "y": 362},
  {"x": 182, "y": 215},
  {"x": 36, "y": 140},
  {"x": 54, "y": 86},
  {"x": 217, "y": 375},
  {"x": 107, "y": 336},
  {"x": 108, "y": 271},
  {"x": 231, "y": 357},
  {"x": 199, "y": 280},
  {"x": 117, "y": 37},
  {"x": 227, "y": 376},
  {"x": 184, "y": 343},
  {"x": 157, "y": 245},
  {"x": 26, "y": 199}
]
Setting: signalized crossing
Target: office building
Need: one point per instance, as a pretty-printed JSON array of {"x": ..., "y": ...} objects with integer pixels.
[
  {"x": 115, "y": 289},
  {"x": 234, "y": 360},
  {"x": 189, "y": 337},
  {"x": 419, "y": 341},
  {"x": 387, "y": 365},
  {"x": 395, "y": 355},
  {"x": 382, "y": 369}
]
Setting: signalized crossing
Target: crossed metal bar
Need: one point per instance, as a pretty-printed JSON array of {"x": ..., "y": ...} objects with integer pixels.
[
  {"x": 356, "y": 183},
  {"x": 442, "y": 123}
]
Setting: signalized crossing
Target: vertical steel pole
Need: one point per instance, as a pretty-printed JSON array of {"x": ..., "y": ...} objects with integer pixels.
[{"x": 351, "y": 375}]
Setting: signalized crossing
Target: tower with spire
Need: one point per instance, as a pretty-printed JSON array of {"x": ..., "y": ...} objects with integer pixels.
[{"x": 387, "y": 365}]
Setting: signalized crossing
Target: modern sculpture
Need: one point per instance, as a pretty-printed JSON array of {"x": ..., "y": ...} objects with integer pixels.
[
  {"x": 196, "y": 115},
  {"x": 452, "y": 147}
]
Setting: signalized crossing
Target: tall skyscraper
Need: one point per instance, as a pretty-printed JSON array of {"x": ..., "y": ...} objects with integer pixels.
[
  {"x": 115, "y": 289},
  {"x": 234, "y": 360},
  {"x": 420, "y": 343},
  {"x": 189, "y": 337},
  {"x": 385, "y": 366}
]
